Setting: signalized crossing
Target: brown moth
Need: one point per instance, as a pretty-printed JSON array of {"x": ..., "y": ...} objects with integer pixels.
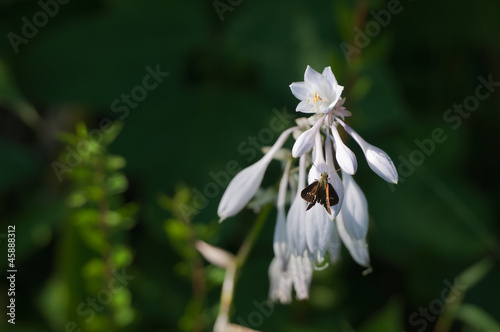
[{"x": 322, "y": 192}]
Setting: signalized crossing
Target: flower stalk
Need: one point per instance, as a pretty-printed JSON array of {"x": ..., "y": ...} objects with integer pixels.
[{"x": 233, "y": 265}]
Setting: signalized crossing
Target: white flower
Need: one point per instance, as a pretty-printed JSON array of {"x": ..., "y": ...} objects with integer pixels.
[
  {"x": 318, "y": 224},
  {"x": 301, "y": 269},
  {"x": 345, "y": 157},
  {"x": 280, "y": 288},
  {"x": 305, "y": 141},
  {"x": 377, "y": 159},
  {"x": 319, "y": 93},
  {"x": 355, "y": 209},
  {"x": 334, "y": 178},
  {"x": 302, "y": 238},
  {"x": 296, "y": 226},
  {"x": 245, "y": 184},
  {"x": 280, "y": 243}
]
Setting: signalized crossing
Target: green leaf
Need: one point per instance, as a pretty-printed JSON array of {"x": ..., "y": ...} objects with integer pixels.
[
  {"x": 477, "y": 318},
  {"x": 476, "y": 272},
  {"x": 121, "y": 257},
  {"x": 114, "y": 163},
  {"x": 86, "y": 216},
  {"x": 116, "y": 183}
]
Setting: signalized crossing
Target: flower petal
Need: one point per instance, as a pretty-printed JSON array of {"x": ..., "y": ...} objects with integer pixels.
[
  {"x": 354, "y": 209},
  {"x": 319, "y": 165},
  {"x": 216, "y": 256},
  {"x": 280, "y": 242},
  {"x": 244, "y": 185},
  {"x": 296, "y": 215},
  {"x": 304, "y": 107},
  {"x": 334, "y": 245},
  {"x": 301, "y": 90},
  {"x": 306, "y": 140},
  {"x": 345, "y": 157},
  {"x": 377, "y": 159},
  {"x": 318, "y": 230},
  {"x": 311, "y": 76},
  {"x": 334, "y": 178},
  {"x": 357, "y": 247},
  {"x": 301, "y": 270},
  {"x": 381, "y": 164},
  {"x": 280, "y": 288},
  {"x": 328, "y": 74},
  {"x": 241, "y": 189}
]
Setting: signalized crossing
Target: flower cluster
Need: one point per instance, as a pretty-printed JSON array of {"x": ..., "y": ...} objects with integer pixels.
[{"x": 302, "y": 238}]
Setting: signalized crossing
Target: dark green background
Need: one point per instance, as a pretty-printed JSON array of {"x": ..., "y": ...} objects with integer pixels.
[{"x": 225, "y": 78}]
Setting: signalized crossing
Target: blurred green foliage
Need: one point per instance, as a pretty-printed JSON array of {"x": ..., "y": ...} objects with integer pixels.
[
  {"x": 224, "y": 79},
  {"x": 97, "y": 253}
]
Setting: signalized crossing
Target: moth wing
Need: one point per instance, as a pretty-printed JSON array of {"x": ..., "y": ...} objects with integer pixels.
[
  {"x": 332, "y": 197},
  {"x": 310, "y": 205},
  {"x": 309, "y": 192},
  {"x": 321, "y": 195}
]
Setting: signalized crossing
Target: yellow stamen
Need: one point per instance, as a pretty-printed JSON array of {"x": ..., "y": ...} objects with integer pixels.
[{"x": 316, "y": 97}]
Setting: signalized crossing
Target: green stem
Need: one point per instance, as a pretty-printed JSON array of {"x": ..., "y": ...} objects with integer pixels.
[
  {"x": 249, "y": 241},
  {"x": 232, "y": 271}
]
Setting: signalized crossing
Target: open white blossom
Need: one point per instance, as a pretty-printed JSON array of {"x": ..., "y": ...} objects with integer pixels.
[
  {"x": 303, "y": 238},
  {"x": 319, "y": 93}
]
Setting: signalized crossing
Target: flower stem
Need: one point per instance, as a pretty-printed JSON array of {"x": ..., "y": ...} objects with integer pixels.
[
  {"x": 222, "y": 323},
  {"x": 249, "y": 241}
]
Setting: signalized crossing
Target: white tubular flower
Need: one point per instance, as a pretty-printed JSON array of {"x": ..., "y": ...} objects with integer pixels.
[
  {"x": 301, "y": 269},
  {"x": 345, "y": 157},
  {"x": 305, "y": 141},
  {"x": 355, "y": 208},
  {"x": 280, "y": 243},
  {"x": 296, "y": 216},
  {"x": 319, "y": 93},
  {"x": 356, "y": 247},
  {"x": 244, "y": 185},
  {"x": 334, "y": 245},
  {"x": 318, "y": 230},
  {"x": 377, "y": 159},
  {"x": 280, "y": 283},
  {"x": 214, "y": 255},
  {"x": 334, "y": 178},
  {"x": 352, "y": 221},
  {"x": 318, "y": 225}
]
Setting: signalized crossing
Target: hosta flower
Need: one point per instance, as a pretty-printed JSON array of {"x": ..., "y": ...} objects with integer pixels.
[
  {"x": 304, "y": 239},
  {"x": 245, "y": 184},
  {"x": 319, "y": 93}
]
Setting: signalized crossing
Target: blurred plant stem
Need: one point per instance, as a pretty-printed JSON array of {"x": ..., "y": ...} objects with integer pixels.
[
  {"x": 103, "y": 206},
  {"x": 222, "y": 324},
  {"x": 198, "y": 282},
  {"x": 456, "y": 294}
]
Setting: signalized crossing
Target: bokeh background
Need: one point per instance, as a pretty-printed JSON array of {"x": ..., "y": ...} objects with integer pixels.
[{"x": 117, "y": 204}]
